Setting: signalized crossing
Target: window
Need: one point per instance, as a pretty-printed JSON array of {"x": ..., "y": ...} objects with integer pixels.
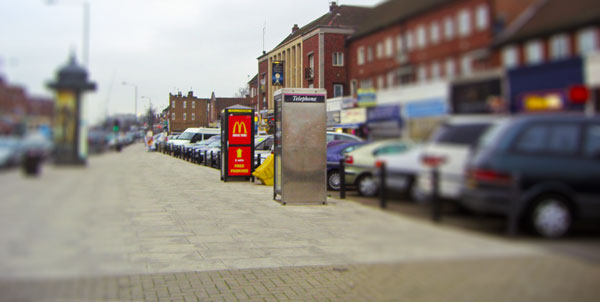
[
  {"x": 338, "y": 90},
  {"x": 389, "y": 47},
  {"x": 450, "y": 68},
  {"x": 338, "y": 59},
  {"x": 534, "y": 54},
  {"x": 556, "y": 139},
  {"x": 193, "y": 116},
  {"x": 399, "y": 44},
  {"x": 464, "y": 22},
  {"x": 482, "y": 17},
  {"x": 311, "y": 64},
  {"x": 466, "y": 63},
  {"x": 184, "y": 104},
  {"x": 194, "y": 102},
  {"x": 408, "y": 38},
  {"x": 435, "y": 70},
  {"x": 173, "y": 104},
  {"x": 448, "y": 28},
  {"x": 510, "y": 57},
  {"x": 380, "y": 82},
  {"x": 360, "y": 56},
  {"x": 587, "y": 41},
  {"x": 173, "y": 116},
  {"x": 421, "y": 40},
  {"x": 391, "y": 76},
  {"x": 434, "y": 32},
  {"x": 184, "y": 116},
  {"x": 422, "y": 73},
  {"x": 369, "y": 54},
  {"x": 461, "y": 134},
  {"x": 353, "y": 87},
  {"x": 559, "y": 46},
  {"x": 391, "y": 149},
  {"x": 379, "y": 50},
  {"x": 366, "y": 83},
  {"x": 592, "y": 141}
]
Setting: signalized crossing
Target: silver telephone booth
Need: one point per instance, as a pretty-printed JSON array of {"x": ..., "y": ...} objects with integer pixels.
[{"x": 300, "y": 146}]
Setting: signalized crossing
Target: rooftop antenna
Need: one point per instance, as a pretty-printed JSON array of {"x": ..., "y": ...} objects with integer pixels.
[{"x": 264, "y": 29}]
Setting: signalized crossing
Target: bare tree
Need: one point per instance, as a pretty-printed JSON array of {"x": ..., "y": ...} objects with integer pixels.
[{"x": 242, "y": 92}]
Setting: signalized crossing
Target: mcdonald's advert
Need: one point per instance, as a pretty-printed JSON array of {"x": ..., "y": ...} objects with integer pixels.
[
  {"x": 240, "y": 161},
  {"x": 240, "y": 129}
]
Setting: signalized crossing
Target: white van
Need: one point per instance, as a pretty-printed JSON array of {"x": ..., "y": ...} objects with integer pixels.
[{"x": 194, "y": 135}]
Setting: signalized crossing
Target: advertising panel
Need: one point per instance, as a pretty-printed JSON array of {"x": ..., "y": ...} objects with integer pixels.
[
  {"x": 239, "y": 161},
  {"x": 277, "y": 69},
  {"x": 239, "y": 129}
]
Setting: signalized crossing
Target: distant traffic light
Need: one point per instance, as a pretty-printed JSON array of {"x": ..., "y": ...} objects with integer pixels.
[{"x": 116, "y": 126}]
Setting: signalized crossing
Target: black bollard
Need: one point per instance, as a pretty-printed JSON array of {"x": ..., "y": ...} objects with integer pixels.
[
  {"x": 342, "y": 179},
  {"x": 382, "y": 185},
  {"x": 211, "y": 159},
  {"x": 436, "y": 202},
  {"x": 205, "y": 158}
]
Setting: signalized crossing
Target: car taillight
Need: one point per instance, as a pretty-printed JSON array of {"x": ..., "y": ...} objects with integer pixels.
[
  {"x": 379, "y": 163},
  {"x": 349, "y": 159},
  {"x": 432, "y": 160},
  {"x": 482, "y": 175}
]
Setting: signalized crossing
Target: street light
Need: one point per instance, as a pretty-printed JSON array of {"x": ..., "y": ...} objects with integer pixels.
[
  {"x": 149, "y": 99},
  {"x": 86, "y": 29},
  {"x": 135, "y": 101}
]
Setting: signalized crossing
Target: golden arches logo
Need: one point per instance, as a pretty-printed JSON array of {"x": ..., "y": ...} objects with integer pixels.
[{"x": 239, "y": 126}]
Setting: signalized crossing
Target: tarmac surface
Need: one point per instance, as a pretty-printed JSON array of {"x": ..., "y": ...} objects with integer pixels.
[{"x": 141, "y": 226}]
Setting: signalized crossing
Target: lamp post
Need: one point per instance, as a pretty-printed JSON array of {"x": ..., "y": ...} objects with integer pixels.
[
  {"x": 149, "y": 99},
  {"x": 136, "y": 93},
  {"x": 86, "y": 29}
]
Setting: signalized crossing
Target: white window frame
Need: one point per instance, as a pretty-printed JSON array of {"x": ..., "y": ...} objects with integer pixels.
[
  {"x": 534, "y": 52},
  {"x": 421, "y": 73},
  {"x": 400, "y": 43},
  {"x": 482, "y": 17},
  {"x": 369, "y": 54},
  {"x": 193, "y": 104},
  {"x": 587, "y": 40},
  {"x": 360, "y": 55},
  {"x": 379, "y": 50},
  {"x": 341, "y": 86},
  {"x": 408, "y": 38},
  {"x": 173, "y": 104},
  {"x": 450, "y": 68},
  {"x": 338, "y": 59},
  {"x": 448, "y": 28},
  {"x": 184, "y": 104},
  {"x": 434, "y": 32},
  {"x": 510, "y": 57},
  {"x": 464, "y": 22},
  {"x": 380, "y": 82},
  {"x": 466, "y": 65},
  {"x": 435, "y": 70},
  {"x": 193, "y": 116},
  {"x": 173, "y": 116},
  {"x": 559, "y": 46},
  {"x": 389, "y": 47},
  {"x": 184, "y": 116},
  {"x": 391, "y": 76},
  {"x": 421, "y": 36}
]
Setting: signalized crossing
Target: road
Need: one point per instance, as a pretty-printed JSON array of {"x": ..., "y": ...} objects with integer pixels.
[{"x": 141, "y": 226}]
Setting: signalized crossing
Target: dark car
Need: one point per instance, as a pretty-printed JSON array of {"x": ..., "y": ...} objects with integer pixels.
[
  {"x": 335, "y": 152},
  {"x": 546, "y": 168}
]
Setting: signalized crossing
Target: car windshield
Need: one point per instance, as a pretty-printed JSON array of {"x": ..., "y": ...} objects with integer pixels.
[
  {"x": 466, "y": 134},
  {"x": 492, "y": 134},
  {"x": 186, "y": 135}
]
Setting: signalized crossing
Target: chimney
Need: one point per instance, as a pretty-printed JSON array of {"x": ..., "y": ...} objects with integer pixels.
[
  {"x": 190, "y": 94},
  {"x": 332, "y": 6},
  {"x": 295, "y": 28}
]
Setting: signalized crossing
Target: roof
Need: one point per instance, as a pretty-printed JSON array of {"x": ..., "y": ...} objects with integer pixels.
[
  {"x": 392, "y": 12},
  {"x": 342, "y": 16},
  {"x": 546, "y": 17},
  {"x": 254, "y": 79}
]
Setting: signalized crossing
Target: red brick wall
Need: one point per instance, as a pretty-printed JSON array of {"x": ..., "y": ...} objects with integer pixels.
[
  {"x": 335, "y": 74},
  {"x": 263, "y": 67},
  {"x": 179, "y": 125},
  {"x": 311, "y": 45}
]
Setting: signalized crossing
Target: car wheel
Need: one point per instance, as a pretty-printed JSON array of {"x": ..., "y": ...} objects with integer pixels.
[
  {"x": 551, "y": 217},
  {"x": 333, "y": 180},
  {"x": 366, "y": 186}
]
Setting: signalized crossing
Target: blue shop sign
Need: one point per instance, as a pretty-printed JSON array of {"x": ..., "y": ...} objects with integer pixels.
[
  {"x": 426, "y": 108},
  {"x": 383, "y": 113}
]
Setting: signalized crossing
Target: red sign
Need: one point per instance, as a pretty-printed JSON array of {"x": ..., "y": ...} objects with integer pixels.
[
  {"x": 239, "y": 161},
  {"x": 579, "y": 94},
  {"x": 239, "y": 129}
]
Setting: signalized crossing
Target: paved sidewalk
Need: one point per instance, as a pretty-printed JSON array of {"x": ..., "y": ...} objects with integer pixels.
[{"x": 147, "y": 216}]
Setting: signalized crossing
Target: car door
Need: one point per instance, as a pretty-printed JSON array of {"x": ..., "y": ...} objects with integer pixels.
[{"x": 589, "y": 189}]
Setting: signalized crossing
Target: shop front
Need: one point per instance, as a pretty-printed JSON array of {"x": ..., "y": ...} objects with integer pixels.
[
  {"x": 546, "y": 87},
  {"x": 384, "y": 122},
  {"x": 480, "y": 94},
  {"x": 422, "y": 107}
]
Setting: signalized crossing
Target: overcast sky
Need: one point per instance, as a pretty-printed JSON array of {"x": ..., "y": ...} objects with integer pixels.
[{"x": 162, "y": 46}]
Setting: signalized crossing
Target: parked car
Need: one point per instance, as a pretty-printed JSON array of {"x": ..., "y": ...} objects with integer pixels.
[
  {"x": 402, "y": 170},
  {"x": 360, "y": 163},
  {"x": 448, "y": 148},
  {"x": 335, "y": 152},
  {"x": 10, "y": 151},
  {"x": 554, "y": 161},
  {"x": 193, "y": 135},
  {"x": 212, "y": 150},
  {"x": 198, "y": 148},
  {"x": 263, "y": 146},
  {"x": 335, "y": 136}
]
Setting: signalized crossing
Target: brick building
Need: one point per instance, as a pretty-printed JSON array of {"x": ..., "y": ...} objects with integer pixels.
[
  {"x": 17, "y": 109},
  {"x": 217, "y": 104},
  {"x": 186, "y": 111},
  {"x": 313, "y": 55}
]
